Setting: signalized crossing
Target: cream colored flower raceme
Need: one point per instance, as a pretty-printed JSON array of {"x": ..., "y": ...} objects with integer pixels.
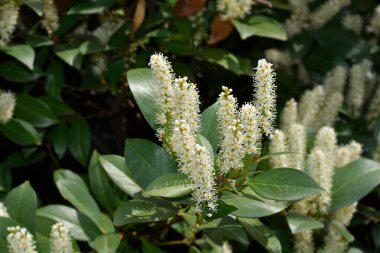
[
  {"x": 374, "y": 25},
  {"x": 60, "y": 239},
  {"x": 353, "y": 22},
  {"x": 289, "y": 115},
  {"x": 50, "y": 18},
  {"x": 303, "y": 242},
  {"x": 234, "y": 9},
  {"x": 335, "y": 80},
  {"x": 9, "y": 12},
  {"x": 310, "y": 104},
  {"x": 328, "y": 114},
  {"x": 299, "y": 20},
  {"x": 374, "y": 108},
  {"x": 326, "y": 12},
  {"x": 20, "y": 240},
  {"x": 7, "y": 105},
  {"x": 265, "y": 95},
  {"x": 348, "y": 153},
  {"x": 297, "y": 144},
  {"x": 178, "y": 117},
  {"x": 249, "y": 118},
  {"x": 277, "y": 145}
]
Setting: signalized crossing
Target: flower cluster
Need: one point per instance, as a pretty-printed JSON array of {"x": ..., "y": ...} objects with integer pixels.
[
  {"x": 50, "y": 19},
  {"x": 353, "y": 23},
  {"x": 232, "y": 9},
  {"x": 327, "y": 11},
  {"x": 178, "y": 119},
  {"x": 9, "y": 12},
  {"x": 265, "y": 95},
  {"x": 374, "y": 25},
  {"x": 60, "y": 240},
  {"x": 20, "y": 240},
  {"x": 374, "y": 108},
  {"x": 7, "y": 105},
  {"x": 289, "y": 115}
]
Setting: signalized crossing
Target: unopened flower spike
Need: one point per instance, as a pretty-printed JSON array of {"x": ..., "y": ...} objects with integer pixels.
[
  {"x": 265, "y": 95},
  {"x": 20, "y": 240}
]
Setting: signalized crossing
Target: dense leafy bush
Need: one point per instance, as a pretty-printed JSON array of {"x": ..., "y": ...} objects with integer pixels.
[{"x": 119, "y": 132}]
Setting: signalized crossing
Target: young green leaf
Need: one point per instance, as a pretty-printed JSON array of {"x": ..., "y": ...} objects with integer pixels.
[
  {"x": 142, "y": 211},
  {"x": 172, "y": 185},
  {"x": 298, "y": 222},
  {"x": 284, "y": 184},
  {"x": 79, "y": 140},
  {"x": 106, "y": 243},
  {"x": 354, "y": 181},
  {"x": 210, "y": 125}
]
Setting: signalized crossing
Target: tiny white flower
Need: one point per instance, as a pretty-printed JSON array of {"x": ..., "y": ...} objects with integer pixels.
[
  {"x": 60, "y": 239},
  {"x": 20, "y": 240},
  {"x": 7, "y": 105}
]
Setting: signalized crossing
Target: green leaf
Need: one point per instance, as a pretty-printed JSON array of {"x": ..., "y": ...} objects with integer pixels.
[
  {"x": 147, "y": 161},
  {"x": 227, "y": 232},
  {"x": 58, "y": 106},
  {"x": 262, "y": 27},
  {"x": 284, "y": 184},
  {"x": 23, "y": 53},
  {"x": 354, "y": 181},
  {"x": 100, "y": 183},
  {"x": 117, "y": 170},
  {"x": 54, "y": 79},
  {"x": 80, "y": 140},
  {"x": 71, "y": 56},
  {"x": 79, "y": 225},
  {"x": 74, "y": 190},
  {"x": 90, "y": 7},
  {"x": 347, "y": 236},
  {"x": 34, "y": 111},
  {"x": 35, "y": 40},
  {"x": 298, "y": 222},
  {"x": 148, "y": 247},
  {"x": 210, "y": 125},
  {"x": 262, "y": 234},
  {"x": 115, "y": 71},
  {"x": 238, "y": 65},
  {"x": 145, "y": 91},
  {"x": 142, "y": 211},
  {"x": 59, "y": 139},
  {"x": 106, "y": 243},
  {"x": 251, "y": 208},
  {"x": 20, "y": 132},
  {"x": 21, "y": 204},
  {"x": 16, "y": 72},
  {"x": 35, "y": 5},
  {"x": 172, "y": 185}
]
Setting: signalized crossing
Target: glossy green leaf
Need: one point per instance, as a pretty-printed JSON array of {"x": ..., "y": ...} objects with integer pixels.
[
  {"x": 71, "y": 56},
  {"x": 106, "y": 243},
  {"x": 36, "y": 40},
  {"x": 148, "y": 247},
  {"x": 142, "y": 211},
  {"x": 16, "y": 72},
  {"x": 80, "y": 140},
  {"x": 115, "y": 71},
  {"x": 59, "y": 139},
  {"x": 58, "y": 106},
  {"x": 262, "y": 234},
  {"x": 145, "y": 91},
  {"x": 210, "y": 125},
  {"x": 298, "y": 222},
  {"x": 74, "y": 190},
  {"x": 21, "y": 204},
  {"x": 23, "y": 53},
  {"x": 260, "y": 26},
  {"x": 100, "y": 184},
  {"x": 354, "y": 181},
  {"x": 347, "y": 236},
  {"x": 227, "y": 232},
  {"x": 54, "y": 79},
  {"x": 238, "y": 65},
  {"x": 252, "y": 208},
  {"x": 79, "y": 225},
  {"x": 172, "y": 185},
  {"x": 35, "y": 5},
  {"x": 147, "y": 161},
  {"x": 284, "y": 184},
  {"x": 34, "y": 111},
  {"x": 20, "y": 132},
  {"x": 117, "y": 170}
]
